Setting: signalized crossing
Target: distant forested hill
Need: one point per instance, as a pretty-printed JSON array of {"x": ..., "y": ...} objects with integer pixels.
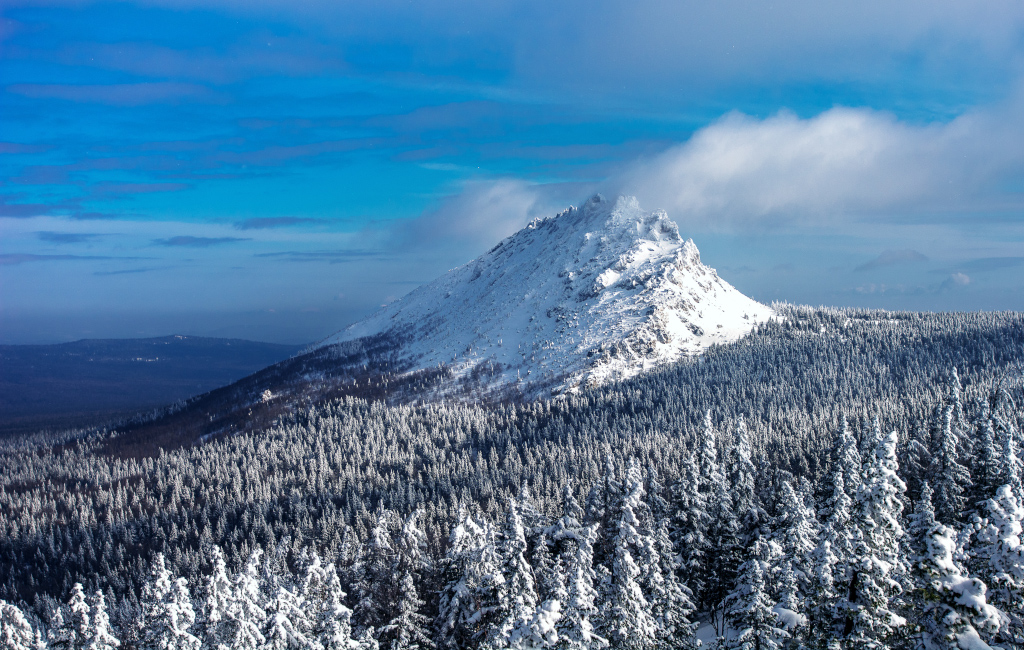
[{"x": 75, "y": 384}]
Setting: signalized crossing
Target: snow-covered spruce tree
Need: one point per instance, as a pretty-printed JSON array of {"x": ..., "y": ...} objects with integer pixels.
[
  {"x": 375, "y": 580},
  {"x": 15, "y": 631},
  {"x": 472, "y": 578},
  {"x": 245, "y": 613},
  {"x": 955, "y": 613},
  {"x": 60, "y": 635},
  {"x": 701, "y": 479},
  {"x": 742, "y": 472},
  {"x": 831, "y": 560},
  {"x": 951, "y": 479},
  {"x": 576, "y": 626},
  {"x": 987, "y": 462},
  {"x": 408, "y": 628},
  {"x": 457, "y": 603},
  {"x": 750, "y": 611},
  {"x": 101, "y": 636},
  {"x": 626, "y": 614},
  {"x": 920, "y": 525},
  {"x": 167, "y": 611},
  {"x": 796, "y": 530},
  {"x": 217, "y": 628},
  {"x": 724, "y": 557},
  {"x": 1001, "y": 559},
  {"x": 877, "y": 566},
  {"x": 78, "y": 622},
  {"x": 671, "y": 600},
  {"x": 330, "y": 620},
  {"x": 516, "y": 596},
  {"x": 286, "y": 626},
  {"x": 1011, "y": 471}
]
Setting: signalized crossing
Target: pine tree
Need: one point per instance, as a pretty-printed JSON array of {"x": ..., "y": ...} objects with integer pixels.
[
  {"x": 627, "y": 621},
  {"x": 750, "y": 610},
  {"x": 671, "y": 600},
  {"x": 724, "y": 557},
  {"x": 951, "y": 478},
  {"x": 101, "y": 636},
  {"x": 468, "y": 603},
  {"x": 375, "y": 579},
  {"x": 742, "y": 471},
  {"x": 245, "y": 609},
  {"x": 167, "y": 611},
  {"x": 1001, "y": 556},
  {"x": 216, "y": 626},
  {"x": 15, "y": 631},
  {"x": 60, "y": 635},
  {"x": 576, "y": 625},
  {"x": 286, "y": 625},
  {"x": 516, "y": 601},
  {"x": 329, "y": 618},
  {"x": 78, "y": 620},
  {"x": 832, "y": 559},
  {"x": 955, "y": 611},
  {"x": 986, "y": 462},
  {"x": 877, "y": 566},
  {"x": 408, "y": 626}
]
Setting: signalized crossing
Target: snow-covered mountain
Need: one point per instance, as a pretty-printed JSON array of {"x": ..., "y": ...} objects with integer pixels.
[{"x": 592, "y": 295}]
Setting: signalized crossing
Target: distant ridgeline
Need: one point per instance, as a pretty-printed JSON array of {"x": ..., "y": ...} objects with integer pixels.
[
  {"x": 88, "y": 382},
  {"x": 839, "y": 478}
]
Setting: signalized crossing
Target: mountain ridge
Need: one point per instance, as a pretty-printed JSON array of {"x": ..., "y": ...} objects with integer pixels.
[{"x": 592, "y": 295}]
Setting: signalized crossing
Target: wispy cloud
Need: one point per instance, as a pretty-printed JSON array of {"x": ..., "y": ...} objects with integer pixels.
[
  {"x": 135, "y": 94},
  {"x": 892, "y": 258},
  {"x": 332, "y": 256},
  {"x": 261, "y": 223},
  {"x": 12, "y": 259},
  {"x": 197, "y": 242},
  {"x": 983, "y": 264},
  {"x": 131, "y": 271},
  {"x": 65, "y": 237}
]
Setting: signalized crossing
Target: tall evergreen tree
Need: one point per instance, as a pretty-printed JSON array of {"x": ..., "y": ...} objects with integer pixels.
[
  {"x": 951, "y": 478},
  {"x": 1001, "y": 558},
  {"x": 878, "y": 566},
  {"x": 101, "y": 636},
  {"x": 751, "y": 610},
  {"x": 15, "y": 631},
  {"x": 167, "y": 611},
  {"x": 627, "y": 621},
  {"x": 954, "y": 609}
]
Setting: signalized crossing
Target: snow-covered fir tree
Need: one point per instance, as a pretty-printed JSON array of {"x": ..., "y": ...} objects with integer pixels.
[
  {"x": 877, "y": 567},
  {"x": 16, "y": 632},
  {"x": 1000, "y": 555},
  {"x": 101, "y": 636},
  {"x": 168, "y": 615},
  {"x": 626, "y": 620},
  {"x": 753, "y": 623},
  {"x": 954, "y": 614},
  {"x": 951, "y": 479}
]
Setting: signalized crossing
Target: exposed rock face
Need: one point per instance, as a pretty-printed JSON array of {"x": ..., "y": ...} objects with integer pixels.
[{"x": 595, "y": 294}]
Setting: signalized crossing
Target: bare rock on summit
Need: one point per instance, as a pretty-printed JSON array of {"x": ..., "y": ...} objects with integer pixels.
[{"x": 592, "y": 295}]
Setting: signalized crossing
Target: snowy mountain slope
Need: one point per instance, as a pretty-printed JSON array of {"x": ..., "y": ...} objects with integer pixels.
[{"x": 595, "y": 294}]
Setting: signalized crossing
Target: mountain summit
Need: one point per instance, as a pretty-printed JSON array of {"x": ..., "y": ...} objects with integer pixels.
[{"x": 594, "y": 294}]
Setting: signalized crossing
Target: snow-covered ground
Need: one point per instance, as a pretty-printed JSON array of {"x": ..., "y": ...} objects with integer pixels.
[{"x": 592, "y": 295}]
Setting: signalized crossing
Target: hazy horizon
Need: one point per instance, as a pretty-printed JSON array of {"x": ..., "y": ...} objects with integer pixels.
[{"x": 275, "y": 171}]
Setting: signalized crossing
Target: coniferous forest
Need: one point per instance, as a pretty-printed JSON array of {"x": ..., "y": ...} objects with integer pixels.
[{"x": 837, "y": 479}]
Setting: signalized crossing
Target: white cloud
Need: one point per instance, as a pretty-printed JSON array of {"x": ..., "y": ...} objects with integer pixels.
[
  {"x": 845, "y": 163},
  {"x": 483, "y": 214}
]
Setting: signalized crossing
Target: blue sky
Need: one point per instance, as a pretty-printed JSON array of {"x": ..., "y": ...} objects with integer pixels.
[{"x": 276, "y": 170}]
